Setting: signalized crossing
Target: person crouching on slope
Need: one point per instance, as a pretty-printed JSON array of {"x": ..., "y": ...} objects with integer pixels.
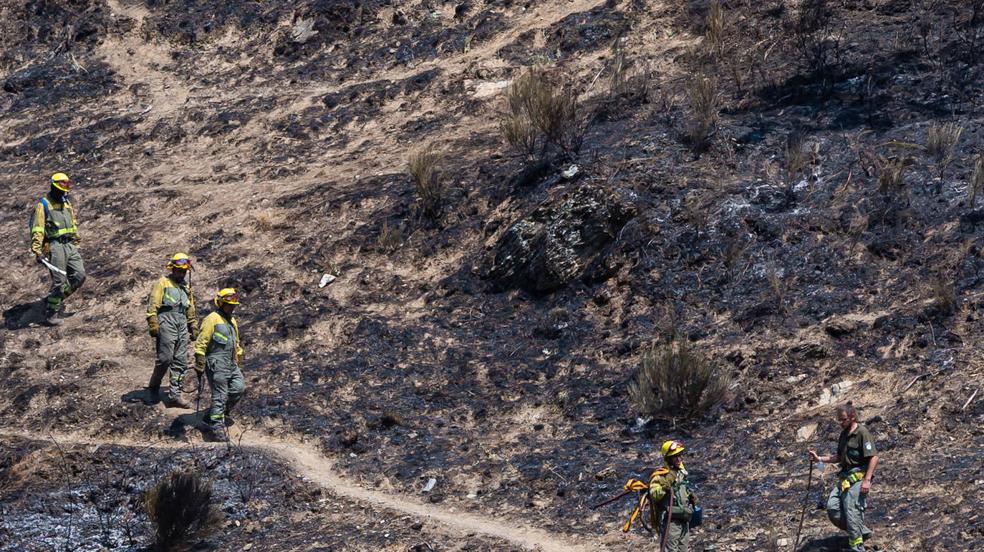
[
  {"x": 670, "y": 490},
  {"x": 218, "y": 354},
  {"x": 172, "y": 320},
  {"x": 55, "y": 243}
]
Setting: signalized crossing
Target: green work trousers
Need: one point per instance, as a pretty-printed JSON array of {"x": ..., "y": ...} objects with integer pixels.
[
  {"x": 64, "y": 255},
  {"x": 172, "y": 351},
  {"x": 226, "y": 380},
  {"x": 676, "y": 539},
  {"x": 846, "y": 510}
]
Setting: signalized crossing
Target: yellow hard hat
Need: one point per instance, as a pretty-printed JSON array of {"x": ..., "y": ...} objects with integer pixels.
[
  {"x": 180, "y": 261},
  {"x": 61, "y": 181},
  {"x": 671, "y": 448},
  {"x": 227, "y": 296}
]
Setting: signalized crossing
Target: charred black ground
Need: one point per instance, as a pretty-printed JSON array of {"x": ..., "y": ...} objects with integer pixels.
[{"x": 273, "y": 155}]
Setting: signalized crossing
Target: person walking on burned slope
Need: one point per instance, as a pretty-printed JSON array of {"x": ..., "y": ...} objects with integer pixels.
[
  {"x": 670, "y": 491},
  {"x": 218, "y": 354},
  {"x": 858, "y": 457},
  {"x": 55, "y": 244},
  {"x": 172, "y": 321}
]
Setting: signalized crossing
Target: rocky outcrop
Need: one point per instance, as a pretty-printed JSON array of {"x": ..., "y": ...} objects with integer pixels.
[{"x": 561, "y": 240}]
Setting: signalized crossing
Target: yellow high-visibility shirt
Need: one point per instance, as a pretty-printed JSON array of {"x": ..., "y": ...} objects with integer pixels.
[{"x": 208, "y": 328}]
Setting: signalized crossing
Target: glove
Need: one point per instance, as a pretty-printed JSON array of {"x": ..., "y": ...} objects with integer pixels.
[
  {"x": 193, "y": 331},
  {"x": 199, "y": 364},
  {"x": 38, "y": 257},
  {"x": 155, "y": 326}
]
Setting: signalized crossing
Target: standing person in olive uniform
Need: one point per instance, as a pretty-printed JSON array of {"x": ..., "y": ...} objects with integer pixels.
[
  {"x": 55, "y": 240},
  {"x": 172, "y": 320},
  {"x": 670, "y": 490},
  {"x": 858, "y": 457},
  {"x": 218, "y": 354}
]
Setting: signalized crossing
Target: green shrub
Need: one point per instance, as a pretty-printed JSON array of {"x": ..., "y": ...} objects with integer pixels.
[
  {"x": 180, "y": 506},
  {"x": 678, "y": 382}
]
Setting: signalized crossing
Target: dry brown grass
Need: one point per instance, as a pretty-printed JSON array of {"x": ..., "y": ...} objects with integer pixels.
[
  {"x": 796, "y": 158},
  {"x": 268, "y": 220},
  {"x": 714, "y": 27},
  {"x": 977, "y": 179},
  {"x": 424, "y": 167},
  {"x": 703, "y": 94},
  {"x": 941, "y": 144},
  {"x": 390, "y": 238},
  {"x": 891, "y": 174},
  {"x": 944, "y": 295}
]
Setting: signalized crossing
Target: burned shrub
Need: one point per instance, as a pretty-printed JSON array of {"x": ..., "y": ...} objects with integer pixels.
[
  {"x": 180, "y": 506},
  {"x": 678, "y": 382},
  {"x": 814, "y": 35},
  {"x": 703, "y": 94},
  {"x": 941, "y": 144},
  {"x": 542, "y": 117}
]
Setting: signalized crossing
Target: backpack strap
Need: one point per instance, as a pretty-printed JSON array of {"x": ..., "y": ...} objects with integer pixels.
[{"x": 47, "y": 207}]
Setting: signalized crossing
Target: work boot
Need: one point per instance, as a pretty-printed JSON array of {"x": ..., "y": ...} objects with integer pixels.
[
  {"x": 216, "y": 434},
  {"x": 229, "y": 420},
  {"x": 176, "y": 401},
  {"x": 51, "y": 318},
  {"x": 153, "y": 394}
]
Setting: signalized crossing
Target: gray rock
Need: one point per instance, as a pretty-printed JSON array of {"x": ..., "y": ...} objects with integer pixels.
[{"x": 561, "y": 240}]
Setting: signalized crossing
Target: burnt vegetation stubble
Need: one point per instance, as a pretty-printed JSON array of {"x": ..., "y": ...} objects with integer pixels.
[{"x": 751, "y": 259}]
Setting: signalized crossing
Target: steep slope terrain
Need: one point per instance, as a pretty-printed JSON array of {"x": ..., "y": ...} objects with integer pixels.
[{"x": 483, "y": 352}]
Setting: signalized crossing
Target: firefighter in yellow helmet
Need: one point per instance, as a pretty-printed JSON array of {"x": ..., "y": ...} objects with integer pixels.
[
  {"x": 55, "y": 244},
  {"x": 172, "y": 321},
  {"x": 218, "y": 354},
  {"x": 675, "y": 501}
]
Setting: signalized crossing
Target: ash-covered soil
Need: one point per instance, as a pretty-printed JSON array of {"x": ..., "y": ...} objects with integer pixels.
[{"x": 269, "y": 141}]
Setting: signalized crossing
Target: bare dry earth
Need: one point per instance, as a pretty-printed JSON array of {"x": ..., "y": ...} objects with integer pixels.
[{"x": 209, "y": 130}]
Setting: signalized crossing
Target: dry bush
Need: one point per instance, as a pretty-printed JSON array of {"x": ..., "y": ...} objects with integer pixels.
[
  {"x": 941, "y": 143},
  {"x": 423, "y": 167},
  {"x": 733, "y": 253},
  {"x": 813, "y": 31},
  {"x": 618, "y": 79},
  {"x": 268, "y": 220},
  {"x": 796, "y": 157},
  {"x": 703, "y": 94},
  {"x": 977, "y": 180},
  {"x": 778, "y": 286},
  {"x": 714, "y": 24},
  {"x": 180, "y": 506},
  {"x": 676, "y": 381},
  {"x": 541, "y": 116},
  {"x": 390, "y": 238},
  {"x": 944, "y": 295}
]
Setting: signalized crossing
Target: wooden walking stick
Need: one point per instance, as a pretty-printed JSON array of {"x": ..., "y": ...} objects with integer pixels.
[
  {"x": 806, "y": 501},
  {"x": 669, "y": 518}
]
